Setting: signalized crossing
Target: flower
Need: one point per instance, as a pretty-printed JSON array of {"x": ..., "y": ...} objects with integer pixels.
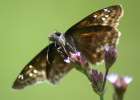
[
  {"x": 97, "y": 81},
  {"x": 119, "y": 83},
  {"x": 74, "y": 57},
  {"x": 78, "y": 57},
  {"x": 110, "y": 56},
  {"x": 67, "y": 60}
]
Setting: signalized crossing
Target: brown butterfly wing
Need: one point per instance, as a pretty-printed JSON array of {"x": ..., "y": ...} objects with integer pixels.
[
  {"x": 57, "y": 67},
  {"x": 47, "y": 65},
  {"x": 92, "y": 40},
  {"x": 95, "y": 31},
  {"x": 109, "y": 16}
]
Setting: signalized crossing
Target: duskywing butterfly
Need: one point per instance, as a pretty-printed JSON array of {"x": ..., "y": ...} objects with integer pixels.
[{"x": 89, "y": 37}]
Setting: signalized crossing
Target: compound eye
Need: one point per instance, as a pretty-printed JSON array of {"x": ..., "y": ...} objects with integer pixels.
[{"x": 57, "y": 33}]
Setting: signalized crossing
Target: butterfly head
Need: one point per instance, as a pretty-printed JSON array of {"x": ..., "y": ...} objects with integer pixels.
[{"x": 55, "y": 36}]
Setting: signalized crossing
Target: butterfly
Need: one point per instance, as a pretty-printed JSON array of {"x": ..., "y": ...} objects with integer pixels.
[{"x": 89, "y": 37}]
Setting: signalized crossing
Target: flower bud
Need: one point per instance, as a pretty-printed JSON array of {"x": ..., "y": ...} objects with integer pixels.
[
  {"x": 110, "y": 56},
  {"x": 97, "y": 81}
]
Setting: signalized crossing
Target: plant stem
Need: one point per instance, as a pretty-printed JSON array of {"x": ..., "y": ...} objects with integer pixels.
[
  {"x": 105, "y": 77},
  {"x": 104, "y": 83},
  {"x": 117, "y": 96},
  {"x": 102, "y": 97}
]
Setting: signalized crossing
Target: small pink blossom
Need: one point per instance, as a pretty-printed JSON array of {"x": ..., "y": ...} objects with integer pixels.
[{"x": 120, "y": 83}]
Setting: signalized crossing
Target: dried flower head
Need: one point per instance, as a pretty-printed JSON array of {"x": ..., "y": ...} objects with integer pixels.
[
  {"x": 97, "y": 81},
  {"x": 110, "y": 56}
]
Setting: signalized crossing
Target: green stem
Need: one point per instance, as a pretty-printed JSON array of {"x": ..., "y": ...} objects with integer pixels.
[
  {"x": 105, "y": 78},
  {"x": 104, "y": 83},
  {"x": 117, "y": 96},
  {"x": 102, "y": 97}
]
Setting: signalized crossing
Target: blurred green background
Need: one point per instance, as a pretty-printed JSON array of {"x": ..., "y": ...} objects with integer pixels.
[{"x": 24, "y": 29}]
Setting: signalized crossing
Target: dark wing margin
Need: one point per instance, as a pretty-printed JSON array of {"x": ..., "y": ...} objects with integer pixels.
[
  {"x": 108, "y": 16},
  {"x": 95, "y": 31},
  {"x": 40, "y": 69}
]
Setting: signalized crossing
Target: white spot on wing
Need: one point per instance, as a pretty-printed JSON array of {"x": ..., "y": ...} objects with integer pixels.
[
  {"x": 20, "y": 77},
  {"x": 35, "y": 71},
  {"x": 103, "y": 18},
  {"x": 105, "y": 9},
  {"x": 95, "y": 16},
  {"x": 30, "y": 66},
  {"x": 31, "y": 74},
  {"x": 106, "y": 16}
]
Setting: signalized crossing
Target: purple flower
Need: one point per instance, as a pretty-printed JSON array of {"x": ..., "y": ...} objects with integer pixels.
[
  {"x": 110, "y": 56},
  {"x": 97, "y": 81},
  {"x": 74, "y": 57},
  {"x": 67, "y": 60},
  {"x": 77, "y": 57},
  {"x": 120, "y": 84}
]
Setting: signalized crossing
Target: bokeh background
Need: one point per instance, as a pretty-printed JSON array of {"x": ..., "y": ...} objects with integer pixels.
[{"x": 24, "y": 29}]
